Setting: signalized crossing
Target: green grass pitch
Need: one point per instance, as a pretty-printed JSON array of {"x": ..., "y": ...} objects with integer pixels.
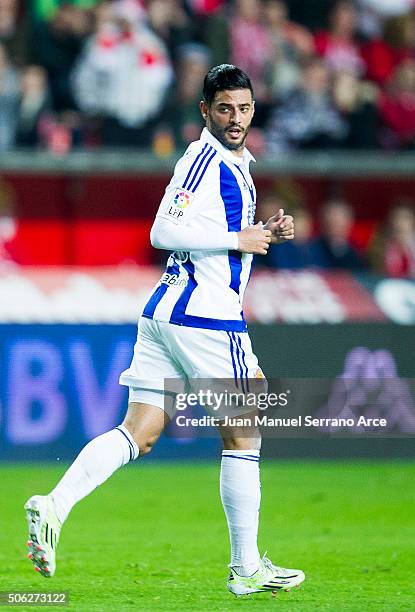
[{"x": 154, "y": 537}]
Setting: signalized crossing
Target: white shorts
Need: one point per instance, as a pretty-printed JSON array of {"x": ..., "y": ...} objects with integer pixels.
[{"x": 168, "y": 359}]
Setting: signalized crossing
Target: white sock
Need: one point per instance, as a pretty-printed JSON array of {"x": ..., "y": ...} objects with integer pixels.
[
  {"x": 240, "y": 491},
  {"x": 94, "y": 464}
]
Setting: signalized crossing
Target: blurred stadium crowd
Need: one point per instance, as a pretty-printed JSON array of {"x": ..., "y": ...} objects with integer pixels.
[
  {"x": 389, "y": 249},
  {"x": 88, "y": 73},
  {"x": 327, "y": 75}
]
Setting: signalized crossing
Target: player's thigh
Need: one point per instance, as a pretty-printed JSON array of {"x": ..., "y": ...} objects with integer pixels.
[
  {"x": 220, "y": 366},
  {"x": 152, "y": 364}
]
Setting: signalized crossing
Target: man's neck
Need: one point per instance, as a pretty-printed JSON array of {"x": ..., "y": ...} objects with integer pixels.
[{"x": 238, "y": 152}]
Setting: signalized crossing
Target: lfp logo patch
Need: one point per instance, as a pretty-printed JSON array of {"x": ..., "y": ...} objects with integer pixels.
[{"x": 182, "y": 199}]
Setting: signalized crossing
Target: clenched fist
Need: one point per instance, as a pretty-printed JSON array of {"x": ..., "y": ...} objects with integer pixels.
[
  {"x": 281, "y": 226},
  {"x": 254, "y": 239}
]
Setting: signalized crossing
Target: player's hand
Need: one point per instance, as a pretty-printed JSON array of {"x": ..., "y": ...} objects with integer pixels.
[
  {"x": 281, "y": 227},
  {"x": 254, "y": 239}
]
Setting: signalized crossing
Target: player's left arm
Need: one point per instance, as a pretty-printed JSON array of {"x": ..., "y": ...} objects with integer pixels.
[{"x": 281, "y": 227}]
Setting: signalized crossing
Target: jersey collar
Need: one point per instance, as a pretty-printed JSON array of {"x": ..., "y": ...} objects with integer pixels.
[{"x": 247, "y": 157}]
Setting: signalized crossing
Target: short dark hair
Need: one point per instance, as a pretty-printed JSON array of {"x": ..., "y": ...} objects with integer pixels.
[{"x": 225, "y": 76}]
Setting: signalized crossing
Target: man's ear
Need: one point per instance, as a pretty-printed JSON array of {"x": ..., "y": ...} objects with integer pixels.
[
  {"x": 253, "y": 107},
  {"x": 203, "y": 109}
]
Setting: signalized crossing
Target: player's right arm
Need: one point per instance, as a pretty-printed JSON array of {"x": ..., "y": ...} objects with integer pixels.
[
  {"x": 165, "y": 235},
  {"x": 173, "y": 229}
]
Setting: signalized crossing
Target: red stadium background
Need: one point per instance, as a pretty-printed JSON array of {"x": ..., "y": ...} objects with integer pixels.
[{"x": 105, "y": 220}]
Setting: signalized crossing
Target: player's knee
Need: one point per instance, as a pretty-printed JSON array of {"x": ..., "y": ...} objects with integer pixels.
[
  {"x": 144, "y": 441},
  {"x": 145, "y": 423},
  {"x": 145, "y": 444},
  {"x": 240, "y": 442}
]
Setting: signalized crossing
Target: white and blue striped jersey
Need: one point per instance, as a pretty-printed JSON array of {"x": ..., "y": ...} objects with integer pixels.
[{"x": 211, "y": 191}]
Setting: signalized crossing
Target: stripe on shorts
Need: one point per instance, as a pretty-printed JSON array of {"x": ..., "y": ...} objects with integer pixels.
[
  {"x": 243, "y": 361},
  {"x": 238, "y": 363},
  {"x": 239, "y": 358},
  {"x": 231, "y": 350}
]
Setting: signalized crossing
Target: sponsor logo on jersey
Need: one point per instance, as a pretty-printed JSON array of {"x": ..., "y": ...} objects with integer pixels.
[{"x": 173, "y": 279}]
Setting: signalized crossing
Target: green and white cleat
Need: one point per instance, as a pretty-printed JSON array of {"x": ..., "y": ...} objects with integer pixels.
[
  {"x": 268, "y": 577},
  {"x": 44, "y": 531}
]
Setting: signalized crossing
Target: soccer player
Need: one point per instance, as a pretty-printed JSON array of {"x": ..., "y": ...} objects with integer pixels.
[{"x": 191, "y": 328}]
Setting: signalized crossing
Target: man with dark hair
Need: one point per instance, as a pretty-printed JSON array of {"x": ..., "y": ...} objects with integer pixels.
[
  {"x": 192, "y": 329},
  {"x": 224, "y": 77}
]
